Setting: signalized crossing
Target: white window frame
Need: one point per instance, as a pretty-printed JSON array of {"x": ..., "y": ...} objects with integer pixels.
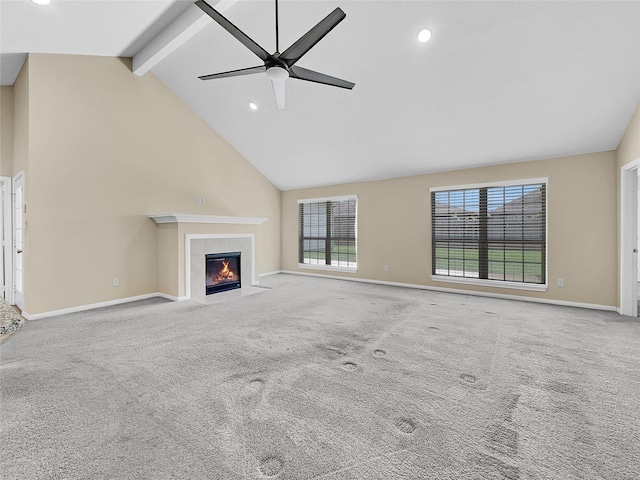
[
  {"x": 535, "y": 287},
  {"x": 334, "y": 268}
]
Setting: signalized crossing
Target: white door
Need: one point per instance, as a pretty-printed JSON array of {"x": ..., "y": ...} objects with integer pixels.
[
  {"x": 3, "y": 187},
  {"x": 638, "y": 224},
  {"x": 18, "y": 240},
  {"x": 6, "y": 253}
]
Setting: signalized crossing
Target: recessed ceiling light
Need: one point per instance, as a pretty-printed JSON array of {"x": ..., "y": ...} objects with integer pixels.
[
  {"x": 41, "y": 2},
  {"x": 424, "y": 36},
  {"x": 253, "y": 106}
]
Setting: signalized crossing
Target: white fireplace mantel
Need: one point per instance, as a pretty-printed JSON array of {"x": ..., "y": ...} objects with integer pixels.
[{"x": 186, "y": 218}]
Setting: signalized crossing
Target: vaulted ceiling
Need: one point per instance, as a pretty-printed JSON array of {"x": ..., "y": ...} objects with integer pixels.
[{"x": 499, "y": 82}]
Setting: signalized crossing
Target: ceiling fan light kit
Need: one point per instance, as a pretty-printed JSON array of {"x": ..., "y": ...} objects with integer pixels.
[
  {"x": 277, "y": 74},
  {"x": 280, "y": 66}
]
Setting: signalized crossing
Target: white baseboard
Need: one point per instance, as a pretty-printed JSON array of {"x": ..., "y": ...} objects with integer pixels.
[
  {"x": 267, "y": 274},
  {"x": 170, "y": 297},
  {"x": 82, "y": 308},
  {"x": 564, "y": 303}
]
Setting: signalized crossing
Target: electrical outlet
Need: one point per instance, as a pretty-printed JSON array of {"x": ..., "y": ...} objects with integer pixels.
[
  {"x": 200, "y": 200},
  {"x": 560, "y": 282},
  {"x": 386, "y": 268},
  {"x": 116, "y": 282}
]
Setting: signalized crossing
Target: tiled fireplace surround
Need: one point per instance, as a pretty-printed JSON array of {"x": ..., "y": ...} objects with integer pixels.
[{"x": 197, "y": 246}]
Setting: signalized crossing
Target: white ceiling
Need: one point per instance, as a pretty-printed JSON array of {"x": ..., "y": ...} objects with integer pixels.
[{"x": 499, "y": 82}]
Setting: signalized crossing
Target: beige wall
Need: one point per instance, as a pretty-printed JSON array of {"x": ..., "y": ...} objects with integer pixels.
[
  {"x": 106, "y": 149},
  {"x": 6, "y": 131},
  {"x": 394, "y": 225},
  {"x": 21, "y": 148},
  {"x": 168, "y": 259},
  {"x": 21, "y": 122}
]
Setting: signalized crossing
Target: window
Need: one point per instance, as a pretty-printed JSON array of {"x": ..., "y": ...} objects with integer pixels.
[
  {"x": 327, "y": 232},
  {"x": 490, "y": 232}
]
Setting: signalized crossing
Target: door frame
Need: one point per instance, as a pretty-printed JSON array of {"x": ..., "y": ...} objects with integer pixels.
[
  {"x": 18, "y": 177},
  {"x": 629, "y": 239},
  {"x": 6, "y": 225}
]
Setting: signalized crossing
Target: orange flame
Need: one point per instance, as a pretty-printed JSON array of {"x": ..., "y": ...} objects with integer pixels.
[{"x": 225, "y": 273}]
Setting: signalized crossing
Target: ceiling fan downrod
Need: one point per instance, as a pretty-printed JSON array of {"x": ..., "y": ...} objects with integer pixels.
[{"x": 277, "y": 42}]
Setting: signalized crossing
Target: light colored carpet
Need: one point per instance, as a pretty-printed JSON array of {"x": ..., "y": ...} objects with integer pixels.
[{"x": 324, "y": 379}]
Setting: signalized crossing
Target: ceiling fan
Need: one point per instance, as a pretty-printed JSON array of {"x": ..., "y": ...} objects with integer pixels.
[{"x": 280, "y": 66}]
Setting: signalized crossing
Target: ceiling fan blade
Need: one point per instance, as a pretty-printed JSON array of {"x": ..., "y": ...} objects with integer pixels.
[
  {"x": 235, "y": 73},
  {"x": 317, "y": 77},
  {"x": 233, "y": 30},
  {"x": 278, "y": 92},
  {"x": 292, "y": 54}
]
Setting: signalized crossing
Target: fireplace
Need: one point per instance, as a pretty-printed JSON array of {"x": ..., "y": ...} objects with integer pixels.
[{"x": 222, "y": 272}]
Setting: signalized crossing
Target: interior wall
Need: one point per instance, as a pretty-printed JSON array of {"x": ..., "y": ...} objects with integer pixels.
[
  {"x": 6, "y": 131},
  {"x": 21, "y": 91},
  {"x": 107, "y": 149},
  {"x": 21, "y": 148},
  {"x": 168, "y": 259},
  {"x": 394, "y": 226}
]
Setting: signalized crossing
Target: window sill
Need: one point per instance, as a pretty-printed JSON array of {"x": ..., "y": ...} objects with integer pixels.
[
  {"x": 328, "y": 267},
  {"x": 533, "y": 287}
]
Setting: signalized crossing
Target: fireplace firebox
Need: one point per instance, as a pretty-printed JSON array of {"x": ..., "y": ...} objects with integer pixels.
[{"x": 222, "y": 272}]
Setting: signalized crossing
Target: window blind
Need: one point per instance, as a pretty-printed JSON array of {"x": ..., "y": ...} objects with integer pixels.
[
  {"x": 327, "y": 232},
  {"x": 494, "y": 233}
]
